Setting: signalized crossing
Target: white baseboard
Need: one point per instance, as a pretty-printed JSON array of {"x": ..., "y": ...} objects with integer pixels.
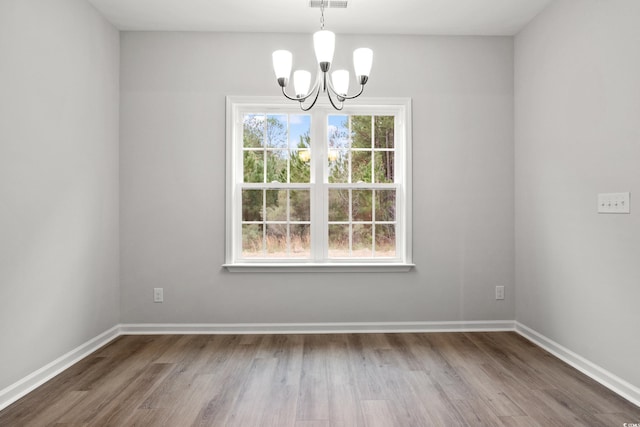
[
  {"x": 27, "y": 384},
  {"x": 604, "y": 377},
  {"x": 315, "y": 328}
]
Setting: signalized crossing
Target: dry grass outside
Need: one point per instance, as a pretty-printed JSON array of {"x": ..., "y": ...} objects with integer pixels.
[{"x": 276, "y": 247}]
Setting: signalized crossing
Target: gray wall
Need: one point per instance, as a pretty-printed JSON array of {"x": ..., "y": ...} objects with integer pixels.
[
  {"x": 173, "y": 88},
  {"x": 59, "y": 288},
  {"x": 577, "y": 127}
]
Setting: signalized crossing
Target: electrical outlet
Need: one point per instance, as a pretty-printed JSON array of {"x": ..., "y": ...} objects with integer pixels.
[
  {"x": 158, "y": 295},
  {"x": 499, "y": 292}
]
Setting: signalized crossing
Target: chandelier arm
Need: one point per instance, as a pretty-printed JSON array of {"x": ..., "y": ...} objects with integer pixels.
[
  {"x": 303, "y": 98},
  {"x": 331, "y": 99},
  {"x": 302, "y": 107},
  {"x": 354, "y": 96},
  {"x": 293, "y": 98},
  {"x": 341, "y": 98}
]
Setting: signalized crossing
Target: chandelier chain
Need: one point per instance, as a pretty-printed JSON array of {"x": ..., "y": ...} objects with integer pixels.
[{"x": 322, "y": 14}]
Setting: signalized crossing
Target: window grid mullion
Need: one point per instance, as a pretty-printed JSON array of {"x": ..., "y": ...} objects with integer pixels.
[
  {"x": 373, "y": 223},
  {"x": 371, "y": 155},
  {"x": 350, "y": 222},
  {"x": 349, "y": 145},
  {"x": 288, "y": 149},
  {"x": 264, "y": 148},
  {"x": 318, "y": 205},
  {"x": 373, "y": 180},
  {"x": 264, "y": 222},
  {"x": 288, "y": 232}
]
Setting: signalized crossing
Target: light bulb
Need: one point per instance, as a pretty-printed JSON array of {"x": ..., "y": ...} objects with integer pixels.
[
  {"x": 340, "y": 80},
  {"x": 324, "y": 43},
  {"x": 282, "y": 60},
  {"x": 301, "y": 82},
  {"x": 362, "y": 61}
]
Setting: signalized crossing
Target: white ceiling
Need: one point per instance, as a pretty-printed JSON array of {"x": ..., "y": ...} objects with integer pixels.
[{"x": 450, "y": 17}]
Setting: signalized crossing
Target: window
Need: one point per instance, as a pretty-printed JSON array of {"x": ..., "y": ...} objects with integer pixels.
[{"x": 320, "y": 189}]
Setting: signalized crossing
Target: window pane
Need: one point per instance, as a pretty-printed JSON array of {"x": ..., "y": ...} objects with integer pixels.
[
  {"x": 384, "y": 132},
  {"x": 300, "y": 209},
  {"x": 252, "y": 205},
  {"x": 385, "y": 205},
  {"x": 362, "y": 241},
  {"x": 276, "y": 205},
  {"x": 299, "y": 131},
  {"x": 253, "y": 131},
  {"x": 253, "y": 164},
  {"x": 360, "y": 166},
  {"x": 338, "y": 205},
  {"x": 338, "y": 131},
  {"x": 338, "y": 166},
  {"x": 276, "y": 244},
  {"x": 277, "y": 131},
  {"x": 300, "y": 166},
  {"x": 277, "y": 165},
  {"x": 300, "y": 241},
  {"x": 383, "y": 166},
  {"x": 361, "y": 205},
  {"x": 385, "y": 240},
  {"x": 252, "y": 240},
  {"x": 361, "y": 131},
  {"x": 338, "y": 241}
]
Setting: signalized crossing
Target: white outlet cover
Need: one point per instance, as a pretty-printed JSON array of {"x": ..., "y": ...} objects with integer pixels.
[{"x": 614, "y": 203}]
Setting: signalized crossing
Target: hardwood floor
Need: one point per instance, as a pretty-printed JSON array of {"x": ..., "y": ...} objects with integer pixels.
[{"x": 342, "y": 380}]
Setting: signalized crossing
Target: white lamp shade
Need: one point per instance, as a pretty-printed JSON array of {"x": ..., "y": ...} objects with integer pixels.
[
  {"x": 340, "y": 80},
  {"x": 324, "y": 43},
  {"x": 301, "y": 82},
  {"x": 362, "y": 60},
  {"x": 282, "y": 60}
]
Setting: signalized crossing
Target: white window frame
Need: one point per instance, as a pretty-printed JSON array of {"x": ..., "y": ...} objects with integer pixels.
[{"x": 237, "y": 106}]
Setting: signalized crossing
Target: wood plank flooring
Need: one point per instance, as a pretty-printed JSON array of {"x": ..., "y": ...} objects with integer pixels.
[{"x": 340, "y": 380}]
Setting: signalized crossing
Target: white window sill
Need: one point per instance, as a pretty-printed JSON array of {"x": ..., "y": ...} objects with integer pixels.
[{"x": 318, "y": 268}]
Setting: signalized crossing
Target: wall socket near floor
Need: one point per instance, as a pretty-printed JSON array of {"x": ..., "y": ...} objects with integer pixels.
[
  {"x": 614, "y": 203},
  {"x": 158, "y": 294},
  {"x": 499, "y": 292}
]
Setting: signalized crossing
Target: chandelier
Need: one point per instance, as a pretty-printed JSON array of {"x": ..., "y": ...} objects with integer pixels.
[{"x": 337, "y": 86}]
